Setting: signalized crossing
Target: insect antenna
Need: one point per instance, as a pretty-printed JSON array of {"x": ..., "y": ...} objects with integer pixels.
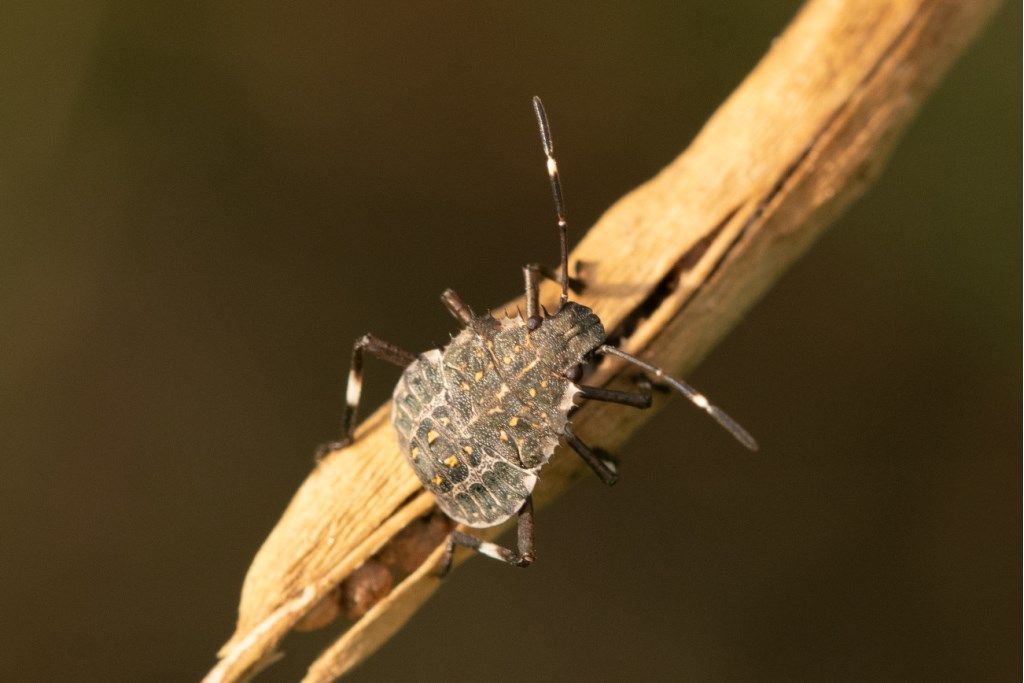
[
  {"x": 696, "y": 398},
  {"x": 556, "y": 192}
]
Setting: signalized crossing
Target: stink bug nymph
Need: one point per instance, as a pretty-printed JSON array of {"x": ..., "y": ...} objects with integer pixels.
[{"x": 478, "y": 419}]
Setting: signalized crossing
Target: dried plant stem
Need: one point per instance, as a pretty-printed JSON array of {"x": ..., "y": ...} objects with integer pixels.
[{"x": 671, "y": 268}]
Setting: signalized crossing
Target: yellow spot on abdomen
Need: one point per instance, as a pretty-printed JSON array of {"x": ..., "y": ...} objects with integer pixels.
[
  {"x": 451, "y": 461},
  {"x": 506, "y": 360},
  {"x": 467, "y": 449},
  {"x": 415, "y": 452},
  {"x": 432, "y": 436},
  {"x": 533, "y": 392},
  {"x": 513, "y": 422},
  {"x": 503, "y": 435},
  {"x": 478, "y": 375},
  {"x": 464, "y": 386},
  {"x": 544, "y": 384},
  {"x": 436, "y": 480}
]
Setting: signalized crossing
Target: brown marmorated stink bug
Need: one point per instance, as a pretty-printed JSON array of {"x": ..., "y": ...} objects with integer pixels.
[{"x": 478, "y": 419}]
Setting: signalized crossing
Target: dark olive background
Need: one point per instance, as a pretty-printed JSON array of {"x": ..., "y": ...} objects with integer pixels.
[{"x": 202, "y": 205}]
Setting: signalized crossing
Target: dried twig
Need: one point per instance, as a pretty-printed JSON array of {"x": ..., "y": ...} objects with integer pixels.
[{"x": 671, "y": 267}]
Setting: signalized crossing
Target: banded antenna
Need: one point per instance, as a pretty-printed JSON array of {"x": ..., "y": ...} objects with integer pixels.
[
  {"x": 696, "y": 398},
  {"x": 556, "y": 193}
]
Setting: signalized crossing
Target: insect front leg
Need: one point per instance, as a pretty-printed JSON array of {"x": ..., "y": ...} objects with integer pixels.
[
  {"x": 456, "y": 306},
  {"x": 532, "y": 275},
  {"x": 576, "y": 284},
  {"x": 522, "y": 557},
  {"x": 354, "y": 388},
  {"x": 636, "y": 399}
]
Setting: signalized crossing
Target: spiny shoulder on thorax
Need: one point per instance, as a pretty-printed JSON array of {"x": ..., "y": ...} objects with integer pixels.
[{"x": 498, "y": 357}]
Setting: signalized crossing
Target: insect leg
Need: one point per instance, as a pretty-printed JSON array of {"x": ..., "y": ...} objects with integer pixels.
[
  {"x": 456, "y": 306},
  {"x": 636, "y": 399},
  {"x": 532, "y": 274},
  {"x": 522, "y": 557},
  {"x": 576, "y": 285},
  {"x": 598, "y": 460},
  {"x": 530, "y": 281},
  {"x": 354, "y": 389},
  {"x": 696, "y": 398}
]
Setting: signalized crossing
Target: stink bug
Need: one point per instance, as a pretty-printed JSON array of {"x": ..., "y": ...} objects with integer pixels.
[{"x": 478, "y": 419}]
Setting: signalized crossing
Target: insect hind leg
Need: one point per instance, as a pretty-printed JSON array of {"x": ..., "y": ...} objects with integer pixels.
[
  {"x": 375, "y": 346},
  {"x": 521, "y": 557}
]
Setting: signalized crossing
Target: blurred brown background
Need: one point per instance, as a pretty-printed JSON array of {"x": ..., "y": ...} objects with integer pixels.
[{"x": 202, "y": 205}]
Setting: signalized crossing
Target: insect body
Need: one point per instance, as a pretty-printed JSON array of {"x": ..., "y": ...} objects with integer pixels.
[{"x": 478, "y": 419}]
